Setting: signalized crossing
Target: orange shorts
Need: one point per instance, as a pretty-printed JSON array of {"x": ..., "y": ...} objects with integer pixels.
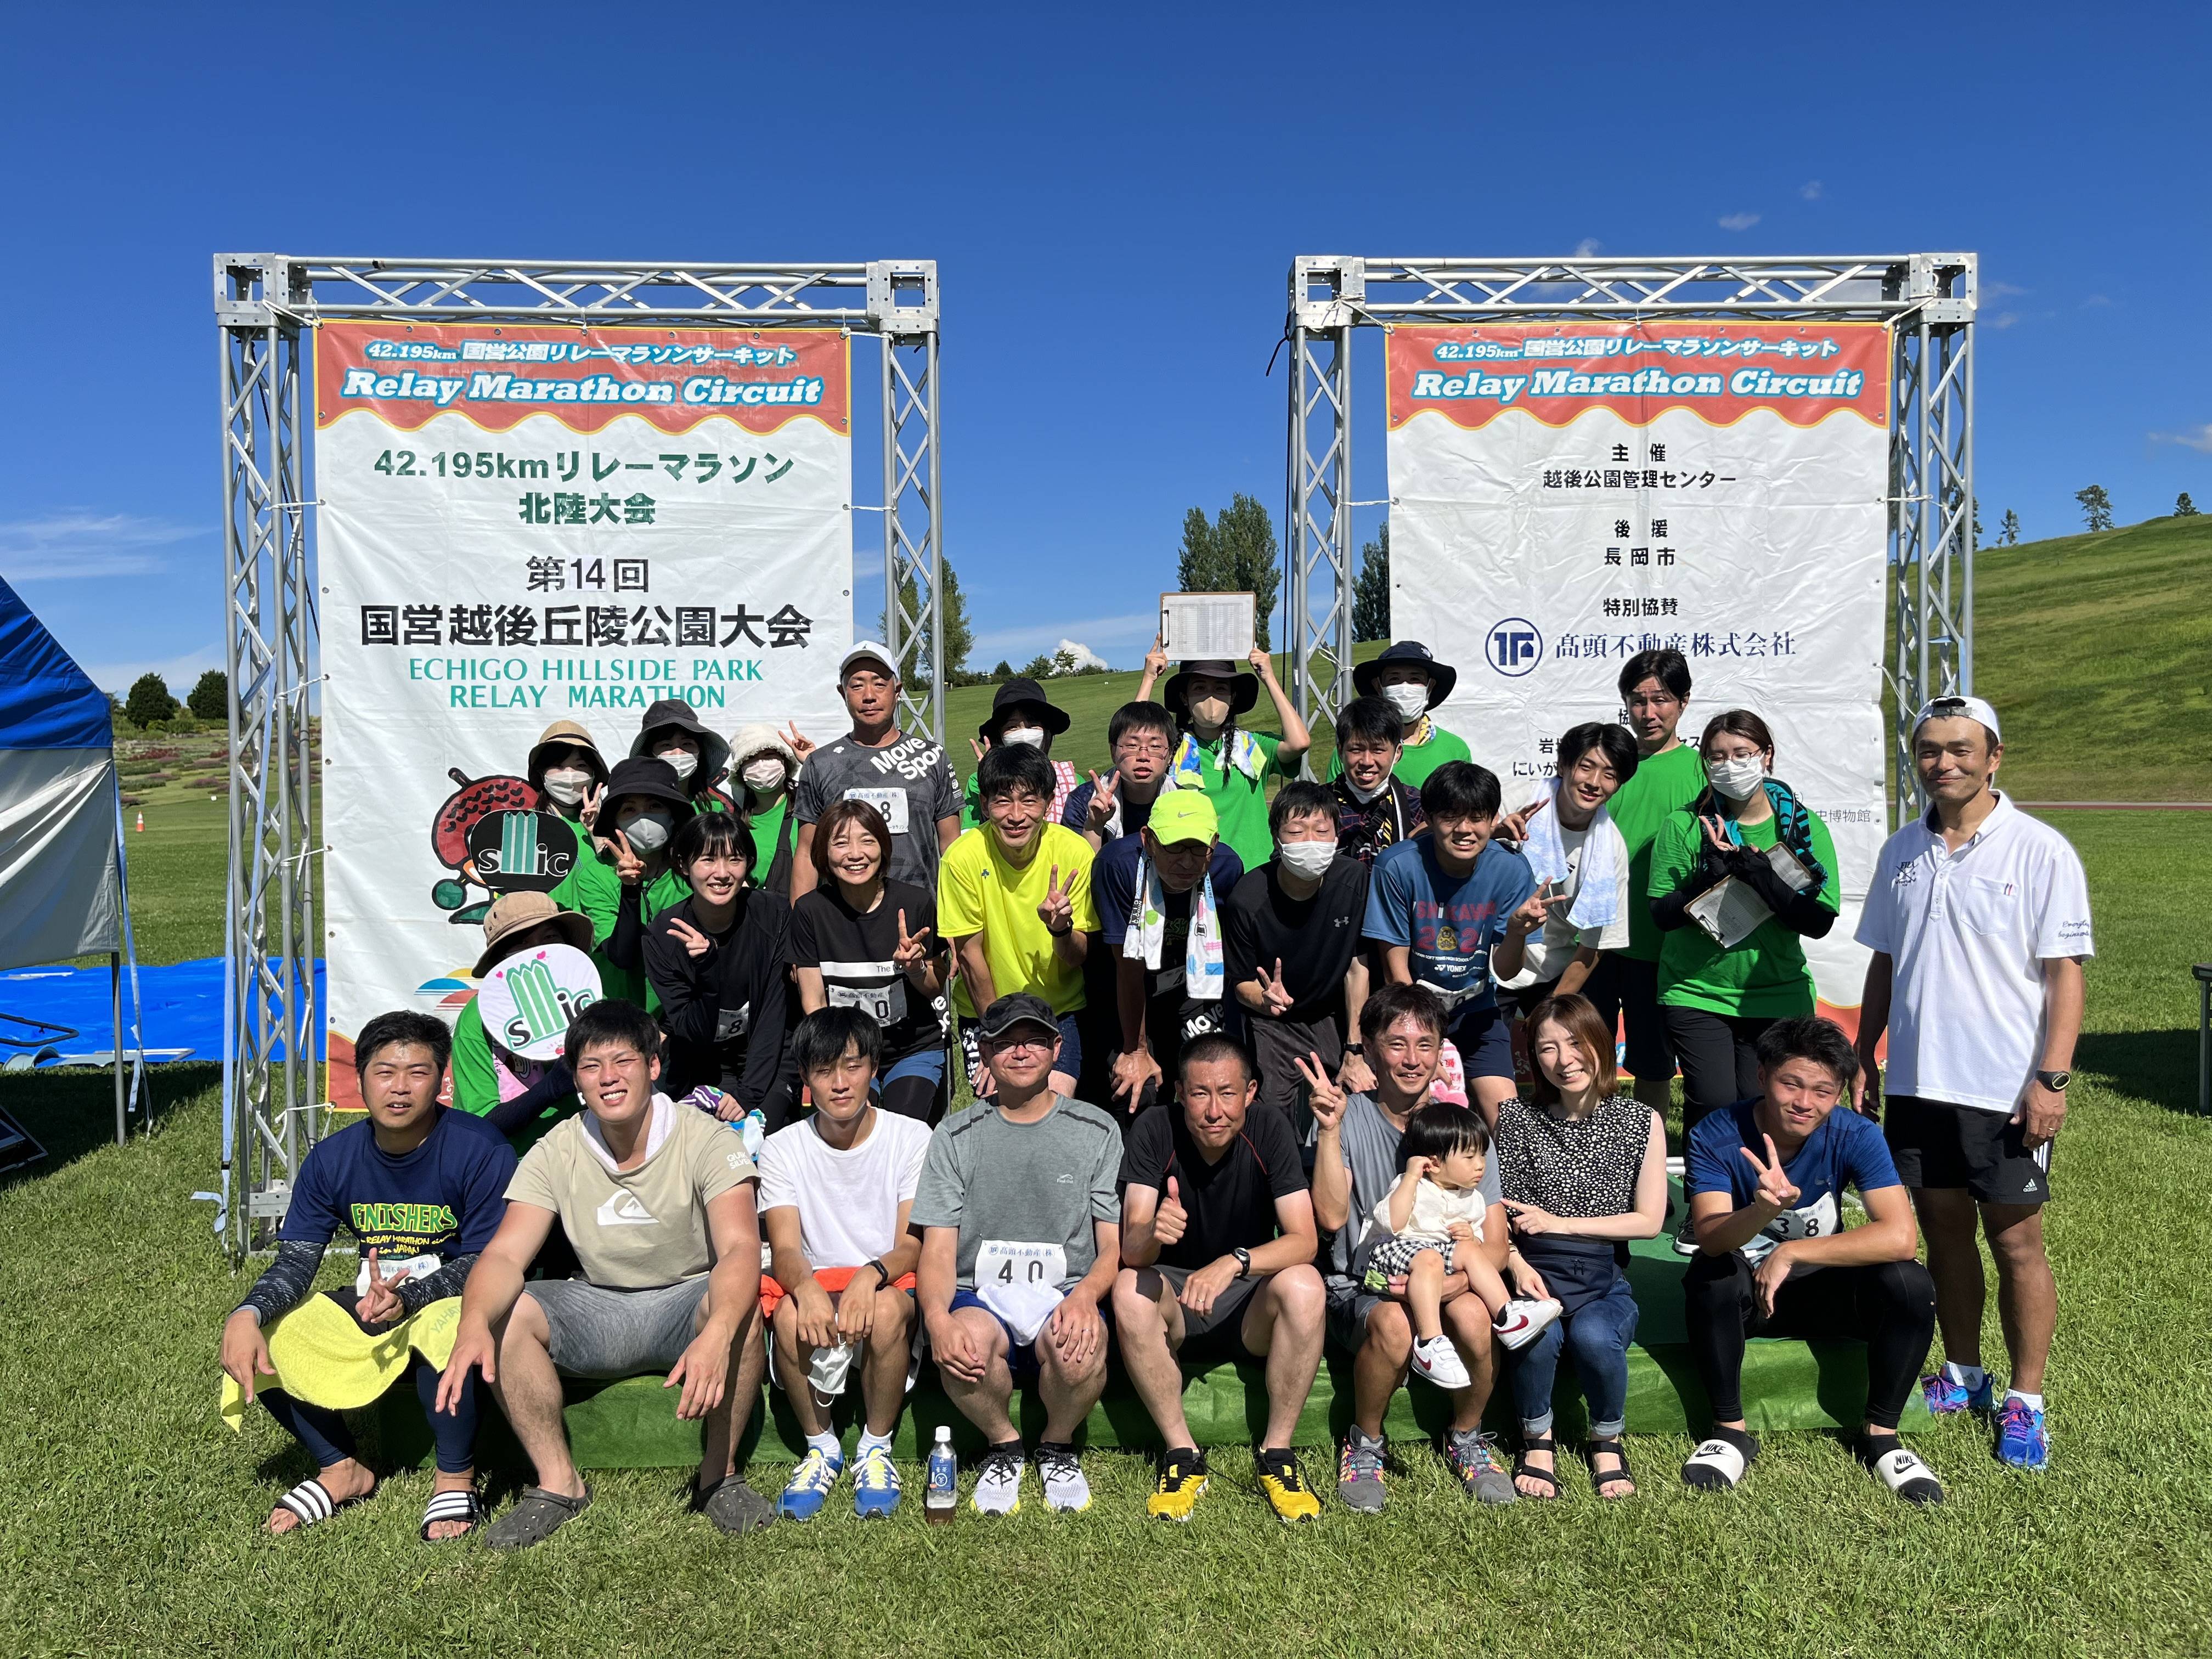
[{"x": 832, "y": 1280}]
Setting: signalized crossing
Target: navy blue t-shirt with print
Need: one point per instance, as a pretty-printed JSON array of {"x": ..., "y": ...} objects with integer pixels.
[
  {"x": 1847, "y": 1149},
  {"x": 445, "y": 1198},
  {"x": 1114, "y": 889},
  {"x": 1449, "y": 923}
]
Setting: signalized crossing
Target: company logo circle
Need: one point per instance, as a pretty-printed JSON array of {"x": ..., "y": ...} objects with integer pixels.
[{"x": 1513, "y": 646}]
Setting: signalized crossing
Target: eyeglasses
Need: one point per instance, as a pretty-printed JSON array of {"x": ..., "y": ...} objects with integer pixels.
[{"x": 1002, "y": 1044}]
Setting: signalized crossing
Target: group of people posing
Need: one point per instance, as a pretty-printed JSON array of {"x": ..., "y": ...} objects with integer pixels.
[{"x": 1242, "y": 1047}]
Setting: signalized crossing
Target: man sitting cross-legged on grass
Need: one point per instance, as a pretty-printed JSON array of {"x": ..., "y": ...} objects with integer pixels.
[
  {"x": 836, "y": 1188},
  {"x": 1766, "y": 1180},
  {"x": 1354, "y": 1149},
  {"x": 1020, "y": 1242},
  {"x": 1217, "y": 1242},
  {"x": 418, "y": 1185},
  {"x": 657, "y": 1200}
]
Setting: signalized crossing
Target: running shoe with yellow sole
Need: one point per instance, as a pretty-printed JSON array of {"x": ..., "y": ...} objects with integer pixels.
[
  {"x": 1285, "y": 1484},
  {"x": 1181, "y": 1485}
]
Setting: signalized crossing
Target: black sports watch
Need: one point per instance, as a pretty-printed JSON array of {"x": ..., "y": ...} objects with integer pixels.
[
  {"x": 883, "y": 1274},
  {"x": 2055, "y": 1081},
  {"x": 1243, "y": 1261},
  {"x": 1359, "y": 1048}
]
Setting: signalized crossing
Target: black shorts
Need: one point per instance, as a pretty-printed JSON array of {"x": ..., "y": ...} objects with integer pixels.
[
  {"x": 1622, "y": 987},
  {"x": 1937, "y": 1145},
  {"x": 1217, "y": 1335}
]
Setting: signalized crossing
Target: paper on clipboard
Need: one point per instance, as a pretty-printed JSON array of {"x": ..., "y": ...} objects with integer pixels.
[
  {"x": 1731, "y": 912},
  {"x": 1207, "y": 625}
]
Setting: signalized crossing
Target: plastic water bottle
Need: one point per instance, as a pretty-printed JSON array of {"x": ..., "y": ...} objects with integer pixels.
[{"x": 943, "y": 1487}]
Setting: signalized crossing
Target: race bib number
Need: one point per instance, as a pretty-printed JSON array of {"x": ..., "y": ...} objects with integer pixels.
[
  {"x": 1003, "y": 1266},
  {"x": 733, "y": 1022},
  {"x": 891, "y": 803},
  {"x": 884, "y": 1004}
]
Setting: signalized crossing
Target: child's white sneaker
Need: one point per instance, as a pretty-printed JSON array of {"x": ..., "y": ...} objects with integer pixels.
[
  {"x": 1439, "y": 1362},
  {"x": 1522, "y": 1319}
]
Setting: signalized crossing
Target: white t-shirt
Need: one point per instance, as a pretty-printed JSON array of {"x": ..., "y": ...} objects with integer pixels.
[
  {"x": 1551, "y": 947},
  {"x": 847, "y": 1202},
  {"x": 1967, "y": 934},
  {"x": 1435, "y": 1209}
]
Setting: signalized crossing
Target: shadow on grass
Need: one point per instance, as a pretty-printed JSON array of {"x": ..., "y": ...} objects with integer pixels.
[
  {"x": 71, "y": 1113},
  {"x": 2159, "y": 1067}
]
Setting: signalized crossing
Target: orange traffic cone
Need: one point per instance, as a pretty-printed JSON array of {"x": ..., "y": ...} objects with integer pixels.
[{"x": 142, "y": 824}]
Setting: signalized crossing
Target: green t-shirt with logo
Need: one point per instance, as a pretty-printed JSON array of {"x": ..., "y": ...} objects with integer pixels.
[
  {"x": 1241, "y": 802},
  {"x": 1663, "y": 783},
  {"x": 1764, "y": 975}
]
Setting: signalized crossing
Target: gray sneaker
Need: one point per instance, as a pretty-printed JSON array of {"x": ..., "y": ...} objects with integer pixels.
[
  {"x": 1359, "y": 1473},
  {"x": 1474, "y": 1458}
]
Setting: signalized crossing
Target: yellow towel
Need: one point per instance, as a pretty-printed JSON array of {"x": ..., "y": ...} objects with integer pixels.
[{"x": 323, "y": 1356}]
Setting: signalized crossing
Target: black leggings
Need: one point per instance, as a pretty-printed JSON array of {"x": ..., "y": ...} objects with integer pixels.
[
  {"x": 1888, "y": 1305},
  {"x": 1719, "y": 1057}
]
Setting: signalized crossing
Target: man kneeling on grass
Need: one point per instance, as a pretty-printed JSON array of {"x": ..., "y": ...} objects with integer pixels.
[
  {"x": 1217, "y": 1240},
  {"x": 1021, "y": 1238},
  {"x": 657, "y": 1200},
  {"x": 419, "y": 1186},
  {"x": 1766, "y": 1180},
  {"x": 836, "y": 1190}
]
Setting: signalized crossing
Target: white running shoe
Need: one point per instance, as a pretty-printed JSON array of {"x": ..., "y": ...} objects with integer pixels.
[
  {"x": 1438, "y": 1361},
  {"x": 999, "y": 1482},
  {"x": 1065, "y": 1488},
  {"x": 1522, "y": 1319}
]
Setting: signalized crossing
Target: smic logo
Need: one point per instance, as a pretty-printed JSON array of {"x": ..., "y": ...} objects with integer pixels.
[{"x": 1514, "y": 647}]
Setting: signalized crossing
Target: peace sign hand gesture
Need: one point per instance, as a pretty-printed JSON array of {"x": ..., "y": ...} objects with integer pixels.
[
  {"x": 1274, "y": 992},
  {"x": 1325, "y": 1100},
  {"x": 627, "y": 865},
  {"x": 913, "y": 952},
  {"x": 1100, "y": 812},
  {"x": 801, "y": 746},
  {"x": 690, "y": 937},
  {"x": 1776, "y": 1189},
  {"x": 979, "y": 745},
  {"x": 587, "y": 810},
  {"x": 1057, "y": 913},
  {"x": 380, "y": 1304}
]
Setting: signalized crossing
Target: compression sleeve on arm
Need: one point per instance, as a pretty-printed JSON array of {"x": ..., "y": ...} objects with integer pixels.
[
  {"x": 417, "y": 1294},
  {"x": 1801, "y": 913},
  {"x": 509, "y": 1116},
  {"x": 284, "y": 1284},
  {"x": 625, "y": 945}
]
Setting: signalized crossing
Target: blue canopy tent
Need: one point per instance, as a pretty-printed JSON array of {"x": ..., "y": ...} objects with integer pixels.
[{"x": 63, "y": 889}]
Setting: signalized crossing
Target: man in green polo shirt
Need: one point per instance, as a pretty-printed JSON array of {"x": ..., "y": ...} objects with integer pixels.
[{"x": 1412, "y": 681}]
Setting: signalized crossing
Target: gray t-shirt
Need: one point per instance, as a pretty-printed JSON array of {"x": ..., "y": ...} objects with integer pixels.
[
  {"x": 1022, "y": 1183},
  {"x": 908, "y": 782},
  {"x": 1371, "y": 1152}
]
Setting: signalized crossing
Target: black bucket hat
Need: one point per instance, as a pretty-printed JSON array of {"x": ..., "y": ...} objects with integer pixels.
[
  {"x": 714, "y": 750},
  {"x": 1011, "y": 695},
  {"x": 1243, "y": 685},
  {"x": 1406, "y": 654},
  {"x": 646, "y": 777}
]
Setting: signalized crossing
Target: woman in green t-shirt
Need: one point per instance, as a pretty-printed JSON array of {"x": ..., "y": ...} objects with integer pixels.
[
  {"x": 1231, "y": 765},
  {"x": 763, "y": 765},
  {"x": 1718, "y": 999}
]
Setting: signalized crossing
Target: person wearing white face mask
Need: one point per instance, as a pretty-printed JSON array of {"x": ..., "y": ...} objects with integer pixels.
[
  {"x": 1412, "y": 683},
  {"x": 1374, "y": 808},
  {"x": 1021, "y": 714},
  {"x": 1748, "y": 827},
  {"x": 1213, "y": 753},
  {"x": 671, "y": 732},
  {"x": 566, "y": 769},
  {"x": 763, "y": 762},
  {"x": 623, "y": 882}
]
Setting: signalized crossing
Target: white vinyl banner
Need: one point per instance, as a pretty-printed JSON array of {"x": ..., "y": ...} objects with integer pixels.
[
  {"x": 520, "y": 524},
  {"x": 1564, "y": 495}
]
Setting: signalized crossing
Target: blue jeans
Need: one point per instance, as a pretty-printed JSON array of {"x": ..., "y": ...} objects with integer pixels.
[{"x": 1599, "y": 1335}]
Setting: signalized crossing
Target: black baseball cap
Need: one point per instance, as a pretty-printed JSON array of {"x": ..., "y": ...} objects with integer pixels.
[{"x": 1019, "y": 1009}]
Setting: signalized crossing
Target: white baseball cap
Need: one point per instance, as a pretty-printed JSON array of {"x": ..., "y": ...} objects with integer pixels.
[
  {"x": 868, "y": 651},
  {"x": 1947, "y": 709}
]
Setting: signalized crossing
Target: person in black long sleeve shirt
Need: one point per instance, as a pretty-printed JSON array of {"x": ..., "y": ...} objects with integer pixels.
[
  {"x": 422, "y": 1188},
  {"x": 720, "y": 963}
]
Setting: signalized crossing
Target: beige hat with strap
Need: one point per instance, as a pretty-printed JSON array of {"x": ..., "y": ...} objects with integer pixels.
[{"x": 515, "y": 913}]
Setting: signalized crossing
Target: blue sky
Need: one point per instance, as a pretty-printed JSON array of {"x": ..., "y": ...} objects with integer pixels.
[{"x": 1112, "y": 195}]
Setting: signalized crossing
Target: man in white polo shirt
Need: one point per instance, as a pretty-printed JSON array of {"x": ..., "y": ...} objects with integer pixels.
[{"x": 1978, "y": 919}]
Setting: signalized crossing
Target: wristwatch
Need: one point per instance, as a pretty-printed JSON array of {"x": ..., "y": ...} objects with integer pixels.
[
  {"x": 1359, "y": 1048},
  {"x": 2055, "y": 1081},
  {"x": 1243, "y": 1261},
  {"x": 883, "y": 1274}
]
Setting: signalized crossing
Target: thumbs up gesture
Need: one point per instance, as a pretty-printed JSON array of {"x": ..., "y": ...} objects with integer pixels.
[
  {"x": 1057, "y": 913},
  {"x": 1172, "y": 1220}
]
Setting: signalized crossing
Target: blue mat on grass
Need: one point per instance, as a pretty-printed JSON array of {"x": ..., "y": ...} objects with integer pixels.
[{"x": 183, "y": 1004}]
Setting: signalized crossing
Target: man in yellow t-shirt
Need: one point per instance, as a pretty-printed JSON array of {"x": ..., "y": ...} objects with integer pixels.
[{"x": 1014, "y": 897}]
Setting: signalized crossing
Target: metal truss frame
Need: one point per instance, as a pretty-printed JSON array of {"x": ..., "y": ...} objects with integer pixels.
[
  {"x": 265, "y": 304},
  {"x": 1927, "y": 299}
]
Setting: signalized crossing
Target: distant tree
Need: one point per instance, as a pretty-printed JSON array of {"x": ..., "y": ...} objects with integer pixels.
[
  {"x": 1063, "y": 662},
  {"x": 150, "y": 701},
  {"x": 1234, "y": 554},
  {"x": 2183, "y": 506},
  {"x": 1002, "y": 670},
  {"x": 1371, "y": 589},
  {"x": 2096, "y": 506},
  {"x": 2008, "y": 529},
  {"x": 1978, "y": 521},
  {"x": 210, "y": 696},
  {"x": 959, "y": 637},
  {"x": 1038, "y": 667},
  {"x": 913, "y": 645}
]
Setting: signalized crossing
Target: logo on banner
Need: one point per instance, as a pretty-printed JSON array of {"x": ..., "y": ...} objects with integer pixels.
[
  {"x": 493, "y": 834},
  {"x": 527, "y": 1001},
  {"x": 1514, "y": 647}
]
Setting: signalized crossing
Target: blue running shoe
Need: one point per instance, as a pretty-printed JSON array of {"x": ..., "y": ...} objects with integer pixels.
[
  {"x": 1946, "y": 1398},
  {"x": 875, "y": 1485},
  {"x": 809, "y": 1486},
  {"x": 2022, "y": 1442}
]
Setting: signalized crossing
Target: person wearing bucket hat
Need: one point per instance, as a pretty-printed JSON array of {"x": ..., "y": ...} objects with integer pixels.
[
  {"x": 1412, "y": 682},
  {"x": 1020, "y": 712},
  {"x": 1214, "y": 754},
  {"x": 567, "y": 769},
  {"x": 521, "y": 1098},
  {"x": 763, "y": 767},
  {"x": 672, "y": 731},
  {"x": 626, "y": 874},
  {"x": 1160, "y": 893},
  {"x": 904, "y": 776}
]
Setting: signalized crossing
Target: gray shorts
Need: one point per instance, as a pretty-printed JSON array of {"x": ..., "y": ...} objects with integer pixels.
[
  {"x": 602, "y": 1333},
  {"x": 1348, "y": 1308}
]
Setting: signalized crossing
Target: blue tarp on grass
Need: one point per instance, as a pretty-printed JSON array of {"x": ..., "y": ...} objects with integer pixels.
[{"x": 184, "y": 1006}]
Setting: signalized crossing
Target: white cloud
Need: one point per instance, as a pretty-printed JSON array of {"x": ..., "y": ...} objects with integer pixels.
[
  {"x": 1084, "y": 655},
  {"x": 1587, "y": 247},
  {"x": 2003, "y": 320},
  {"x": 1738, "y": 221},
  {"x": 1016, "y": 644},
  {"x": 72, "y": 546},
  {"x": 1810, "y": 190},
  {"x": 2200, "y": 439},
  {"x": 2002, "y": 290},
  {"x": 2094, "y": 300}
]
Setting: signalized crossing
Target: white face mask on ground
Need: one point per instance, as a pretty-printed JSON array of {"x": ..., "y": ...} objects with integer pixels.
[
  {"x": 648, "y": 832},
  {"x": 1738, "y": 778},
  {"x": 764, "y": 775},
  {"x": 1411, "y": 701},
  {"x": 682, "y": 760},
  {"x": 1032, "y": 735},
  {"x": 567, "y": 785},
  {"x": 1308, "y": 858}
]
